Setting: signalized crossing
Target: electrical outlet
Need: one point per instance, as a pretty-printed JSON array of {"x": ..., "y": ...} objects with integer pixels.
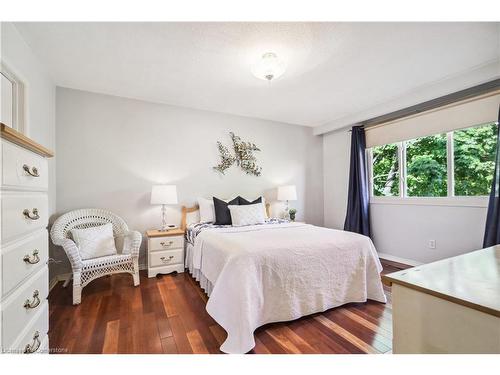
[{"x": 432, "y": 244}]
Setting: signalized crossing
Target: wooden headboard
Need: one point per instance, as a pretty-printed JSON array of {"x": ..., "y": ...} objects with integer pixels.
[{"x": 187, "y": 210}]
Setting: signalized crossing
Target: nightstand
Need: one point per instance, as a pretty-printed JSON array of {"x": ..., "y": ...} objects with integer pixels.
[{"x": 165, "y": 251}]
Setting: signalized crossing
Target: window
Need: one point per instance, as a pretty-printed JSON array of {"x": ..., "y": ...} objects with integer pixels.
[
  {"x": 458, "y": 163},
  {"x": 474, "y": 159},
  {"x": 386, "y": 170},
  {"x": 426, "y": 167}
]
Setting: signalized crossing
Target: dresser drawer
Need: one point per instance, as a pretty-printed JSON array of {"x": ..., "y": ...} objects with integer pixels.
[
  {"x": 22, "y": 168},
  {"x": 21, "y": 307},
  {"x": 18, "y": 223},
  {"x": 165, "y": 243},
  {"x": 23, "y": 258},
  {"x": 32, "y": 336},
  {"x": 163, "y": 258}
]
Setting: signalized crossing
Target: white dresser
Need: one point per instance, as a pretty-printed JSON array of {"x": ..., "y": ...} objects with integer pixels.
[
  {"x": 451, "y": 306},
  {"x": 24, "y": 279},
  {"x": 165, "y": 251}
]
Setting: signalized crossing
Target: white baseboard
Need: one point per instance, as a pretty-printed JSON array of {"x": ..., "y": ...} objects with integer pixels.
[
  {"x": 393, "y": 258},
  {"x": 58, "y": 278}
]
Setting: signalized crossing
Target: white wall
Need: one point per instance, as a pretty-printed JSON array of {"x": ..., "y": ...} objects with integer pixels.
[
  {"x": 111, "y": 150},
  {"x": 40, "y": 98},
  {"x": 401, "y": 231},
  {"x": 405, "y": 231}
]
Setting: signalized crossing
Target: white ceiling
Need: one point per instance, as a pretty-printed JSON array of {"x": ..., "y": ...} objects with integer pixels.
[{"x": 335, "y": 70}]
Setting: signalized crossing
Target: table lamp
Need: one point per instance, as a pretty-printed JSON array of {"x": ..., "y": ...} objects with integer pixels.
[
  {"x": 164, "y": 194},
  {"x": 287, "y": 193}
]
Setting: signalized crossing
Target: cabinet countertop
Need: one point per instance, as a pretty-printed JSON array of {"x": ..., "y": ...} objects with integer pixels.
[{"x": 471, "y": 280}]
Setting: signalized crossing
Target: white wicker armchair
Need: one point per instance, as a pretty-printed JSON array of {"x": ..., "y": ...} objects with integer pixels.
[{"x": 84, "y": 271}]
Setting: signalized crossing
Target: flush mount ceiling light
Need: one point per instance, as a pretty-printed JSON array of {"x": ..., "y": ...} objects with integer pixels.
[{"x": 269, "y": 67}]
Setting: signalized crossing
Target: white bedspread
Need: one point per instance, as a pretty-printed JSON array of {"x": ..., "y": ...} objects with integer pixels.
[{"x": 270, "y": 273}]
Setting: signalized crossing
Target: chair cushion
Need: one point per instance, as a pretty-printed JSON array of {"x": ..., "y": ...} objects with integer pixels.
[{"x": 95, "y": 242}]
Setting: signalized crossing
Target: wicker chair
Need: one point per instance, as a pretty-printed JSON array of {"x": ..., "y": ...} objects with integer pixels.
[{"x": 84, "y": 271}]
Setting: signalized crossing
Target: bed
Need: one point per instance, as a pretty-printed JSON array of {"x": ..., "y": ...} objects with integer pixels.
[{"x": 277, "y": 271}]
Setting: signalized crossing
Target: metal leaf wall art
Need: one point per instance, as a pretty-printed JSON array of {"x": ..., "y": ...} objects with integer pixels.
[{"x": 243, "y": 156}]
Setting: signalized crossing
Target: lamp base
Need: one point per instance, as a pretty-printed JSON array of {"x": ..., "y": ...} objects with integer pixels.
[
  {"x": 285, "y": 213},
  {"x": 164, "y": 226}
]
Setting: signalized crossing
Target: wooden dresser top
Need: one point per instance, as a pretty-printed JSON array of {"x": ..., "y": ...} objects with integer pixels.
[
  {"x": 20, "y": 139},
  {"x": 472, "y": 279},
  {"x": 158, "y": 233}
]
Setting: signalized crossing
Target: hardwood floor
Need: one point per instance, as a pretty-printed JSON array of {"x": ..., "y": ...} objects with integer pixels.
[{"x": 167, "y": 315}]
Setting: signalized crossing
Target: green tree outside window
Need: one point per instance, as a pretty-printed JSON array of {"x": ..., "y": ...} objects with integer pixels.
[
  {"x": 426, "y": 167},
  {"x": 474, "y": 156},
  {"x": 385, "y": 170}
]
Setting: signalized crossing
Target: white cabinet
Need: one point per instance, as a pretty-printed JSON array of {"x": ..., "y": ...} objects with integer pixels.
[
  {"x": 23, "y": 168},
  {"x": 19, "y": 309},
  {"x": 23, "y": 213},
  {"x": 22, "y": 258},
  {"x": 24, "y": 276},
  {"x": 165, "y": 252},
  {"x": 451, "y": 306}
]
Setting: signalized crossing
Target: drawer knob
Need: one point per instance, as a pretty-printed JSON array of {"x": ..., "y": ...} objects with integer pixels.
[
  {"x": 35, "y": 345},
  {"x": 166, "y": 243},
  {"x": 32, "y": 304},
  {"x": 167, "y": 260},
  {"x": 34, "y": 259},
  {"x": 33, "y": 215},
  {"x": 33, "y": 172}
]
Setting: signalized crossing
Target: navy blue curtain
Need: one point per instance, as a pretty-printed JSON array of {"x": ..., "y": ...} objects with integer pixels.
[
  {"x": 357, "y": 218},
  {"x": 492, "y": 230}
]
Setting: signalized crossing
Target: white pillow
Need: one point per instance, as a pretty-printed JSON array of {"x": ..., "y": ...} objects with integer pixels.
[
  {"x": 263, "y": 200},
  {"x": 249, "y": 214},
  {"x": 95, "y": 242},
  {"x": 207, "y": 210}
]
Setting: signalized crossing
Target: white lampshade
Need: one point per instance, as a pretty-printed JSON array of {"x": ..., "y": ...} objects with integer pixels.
[
  {"x": 287, "y": 193},
  {"x": 164, "y": 194}
]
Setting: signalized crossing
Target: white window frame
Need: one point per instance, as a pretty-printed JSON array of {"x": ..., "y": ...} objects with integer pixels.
[
  {"x": 402, "y": 169},
  {"x": 18, "y": 99},
  {"x": 403, "y": 199}
]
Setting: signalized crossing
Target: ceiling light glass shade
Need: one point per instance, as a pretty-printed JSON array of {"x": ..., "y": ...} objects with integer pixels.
[{"x": 269, "y": 67}]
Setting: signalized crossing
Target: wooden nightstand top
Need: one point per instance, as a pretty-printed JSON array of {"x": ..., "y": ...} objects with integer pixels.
[{"x": 157, "y": 233}]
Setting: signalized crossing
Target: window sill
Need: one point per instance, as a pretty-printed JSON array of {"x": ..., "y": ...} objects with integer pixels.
[{"x": 428, "y": 201}]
